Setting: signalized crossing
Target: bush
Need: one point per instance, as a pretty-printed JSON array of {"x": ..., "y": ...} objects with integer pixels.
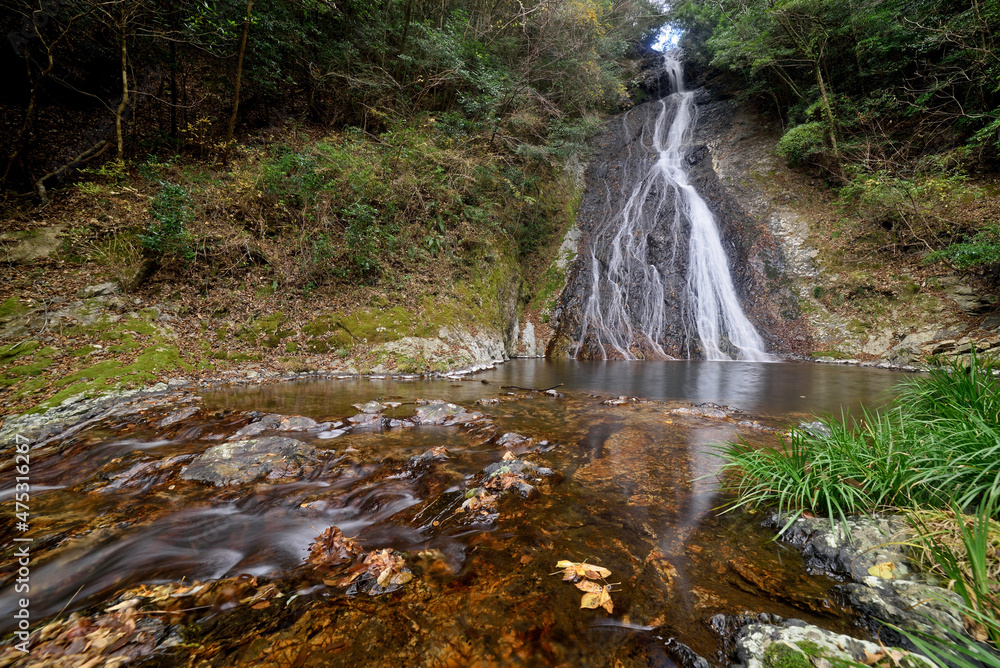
[
  {"x": 801, "y": 143},
  {"x": 980, "y": 250},
  {"x": 167, "y": 235}
]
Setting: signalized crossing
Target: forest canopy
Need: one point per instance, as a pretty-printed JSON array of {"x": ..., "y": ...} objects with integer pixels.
[{"x": 89, "y": 80}]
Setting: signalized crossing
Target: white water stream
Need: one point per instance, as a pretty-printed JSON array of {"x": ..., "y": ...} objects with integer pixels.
[{"x": 630, "y": 328}]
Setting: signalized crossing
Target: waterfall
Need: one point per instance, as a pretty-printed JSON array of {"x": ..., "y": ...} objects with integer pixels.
[{"x": 625, "y": 315}]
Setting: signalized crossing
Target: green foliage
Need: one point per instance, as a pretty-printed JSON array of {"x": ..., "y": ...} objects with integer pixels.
[
  {"x": 167, "y": 235},
  {"x": 939, "y": 443},
  {"x": 801, "y": 142},
  {"x": 968, "y": 569},
  {"x": 981, "y": 250}
]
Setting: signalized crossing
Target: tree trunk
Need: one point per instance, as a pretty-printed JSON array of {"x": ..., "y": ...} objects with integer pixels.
[
  {"x": 124, "y": 102},
  {"x": 239, "y": 74},
  {"x": 827, "y": 109}
]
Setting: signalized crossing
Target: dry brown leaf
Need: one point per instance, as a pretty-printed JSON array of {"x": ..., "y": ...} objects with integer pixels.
[
  {"x": 508, "y": 455},
  {"x": 598, "y": 599},
  {"x": 332, "y": 548},
  {"x": 261, "y": 605},
  {"x": 573, "y": 571},
  {"x": 871, "y": 659}
]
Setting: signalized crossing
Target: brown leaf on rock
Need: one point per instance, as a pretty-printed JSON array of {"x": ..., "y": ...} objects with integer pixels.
[
  {"x": 384, "y": 565},
  {"x": 332, "y": 548}
]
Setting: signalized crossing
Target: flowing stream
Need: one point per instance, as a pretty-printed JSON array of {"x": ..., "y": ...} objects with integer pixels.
[
  {"x": 631, "y": 488},
  {"x": 626, "y": 314}
]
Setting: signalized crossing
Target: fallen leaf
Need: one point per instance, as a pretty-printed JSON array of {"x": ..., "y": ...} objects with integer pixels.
[
  {"x": 332, "y": 548},
  {"x": 261, "y": 605},
  {"x": 598, "y": 599},
  {"x": 573, "y": 571},
  {"x": 883, "y": 570},
  {"x": 871, "y": 659},
  {"x": 507, "y": 456},
  {"x": 526, "y": 558}
]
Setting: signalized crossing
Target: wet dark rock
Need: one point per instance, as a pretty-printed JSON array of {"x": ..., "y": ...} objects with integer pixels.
[
  {"x": 908, "y": 599},
  {"x": 912, "y": 606},
  {"x": 144, "y": 474},
  {"x": 444, "y": 414},
  {"x": 438, "y": 453},
  {"x": 243, "y": 461},
  {"x": 817, "y": 429},
  {"x": 178, "y": 416},
  {"x": 401, "y": 424},
  {"x": 830, "y": 549},
  {"x": 684, "y": 656},
  {"x": 77, "y": 413},
  {"x": 266, "y": 422}
]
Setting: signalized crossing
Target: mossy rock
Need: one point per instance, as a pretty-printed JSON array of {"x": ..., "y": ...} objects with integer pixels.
[
  {"x": 781, "y": 655},
  {"x": 12, "y": 351}
]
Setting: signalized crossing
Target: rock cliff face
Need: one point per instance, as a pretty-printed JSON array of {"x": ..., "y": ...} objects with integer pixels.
[{"x": 622, "y": 153}]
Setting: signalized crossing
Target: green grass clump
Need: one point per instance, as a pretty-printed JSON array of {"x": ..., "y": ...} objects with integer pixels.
[{"x": 938, "y": 444}]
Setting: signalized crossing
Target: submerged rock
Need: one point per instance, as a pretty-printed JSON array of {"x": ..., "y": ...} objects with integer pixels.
[
  {"x": 243, "y": 461},
  {"x": 444, "y": 414}
]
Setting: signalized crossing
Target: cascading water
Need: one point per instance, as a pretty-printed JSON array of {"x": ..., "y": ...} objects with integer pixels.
[{"x": 626, "y": 315}]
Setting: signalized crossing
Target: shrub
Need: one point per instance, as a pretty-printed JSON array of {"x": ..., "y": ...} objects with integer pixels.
[
  {"x": 981, "y": 250},
  {"x": 167, "y": 235},
  {"x": 801, "y": 143}
]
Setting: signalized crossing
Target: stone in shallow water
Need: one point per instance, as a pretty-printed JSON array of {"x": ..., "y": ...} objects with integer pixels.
[
  {"x": 442, "y": 413},
  {"x": 243, "y": 461},
  {"x": 370, "y": 407},
  {"x": 332, "y": 433}
]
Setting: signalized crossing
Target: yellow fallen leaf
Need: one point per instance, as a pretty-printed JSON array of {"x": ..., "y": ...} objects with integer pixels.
[
  {"x": 507, "y": 456},
  {"x": 883, "y": 570},
  {"x": 598, "y": 599},
  {"x": 574, "y": 571}
]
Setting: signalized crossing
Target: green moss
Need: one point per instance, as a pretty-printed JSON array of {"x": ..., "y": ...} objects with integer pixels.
[
  {"x": 291, "y": 346},
  {"x": 835, "y": 354},
  {"x": 810, "y": 648},
  {"x": 780, "y": 655},
  {"x": 25, "y": 370},
  {"x": 13, "y": 307},
  {"x": 12, "y": 351}
]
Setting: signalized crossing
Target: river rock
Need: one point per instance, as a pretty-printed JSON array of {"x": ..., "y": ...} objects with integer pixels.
[
  {"x": 829, "y": 548},
  {"x": 816, "y": 429},
  {"x": 912, "y": 606},
  {"x": 795, "y": 643},
  {"x": 243, "y": 461},
  {"x": 444, "y": 414}
]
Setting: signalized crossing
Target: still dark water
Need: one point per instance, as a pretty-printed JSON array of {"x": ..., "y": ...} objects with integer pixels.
[{"x": 634, "y": 491}]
